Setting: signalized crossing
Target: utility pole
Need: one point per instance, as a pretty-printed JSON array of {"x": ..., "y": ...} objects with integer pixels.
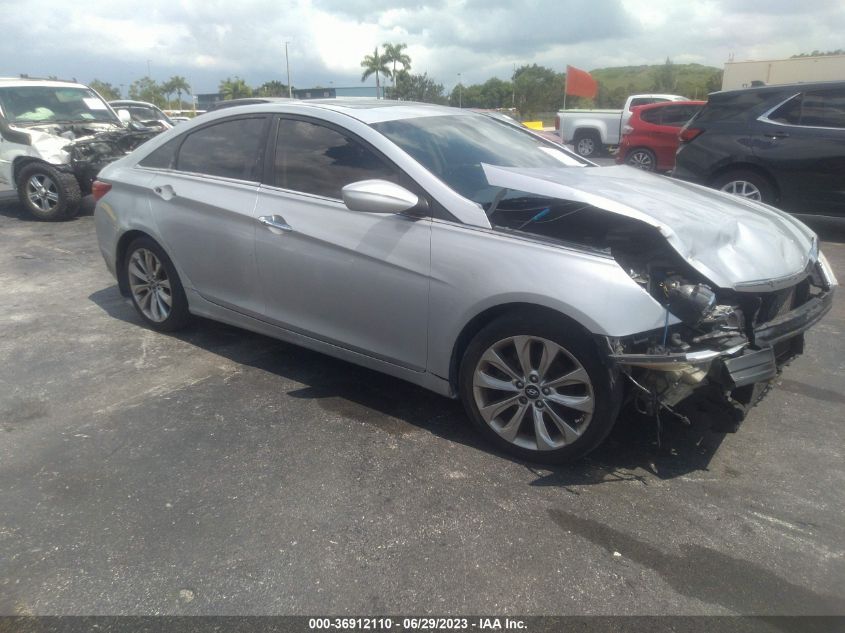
[{"x": 287, "y": 65}]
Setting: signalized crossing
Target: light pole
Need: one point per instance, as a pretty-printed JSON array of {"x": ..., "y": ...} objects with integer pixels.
[
  {"x": 287, "y": 65},
  {"x": 460, "y": 92}
]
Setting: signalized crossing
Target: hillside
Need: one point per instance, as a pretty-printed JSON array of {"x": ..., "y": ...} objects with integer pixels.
[{"x": 691, "y": 80}]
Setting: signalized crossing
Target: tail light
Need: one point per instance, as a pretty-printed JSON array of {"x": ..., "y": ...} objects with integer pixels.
[
  {"x": 557, "y": 121},
  {"x": 626, "y": 129},
  {"x": 688, "y": 133},
  {"x": 99, "y": 189}
]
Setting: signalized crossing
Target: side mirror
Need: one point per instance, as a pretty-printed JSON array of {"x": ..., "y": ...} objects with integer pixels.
[
  {"x": 378, "y": 196},
  {"x": 124, "y": 115}
]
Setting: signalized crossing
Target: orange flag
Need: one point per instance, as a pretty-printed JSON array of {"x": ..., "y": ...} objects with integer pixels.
[{"x": 580, "y": 83}]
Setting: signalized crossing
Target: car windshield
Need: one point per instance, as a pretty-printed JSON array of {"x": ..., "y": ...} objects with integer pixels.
[
  {"x": 453, "y": 147},
  {"x": 33, "y": 105}
]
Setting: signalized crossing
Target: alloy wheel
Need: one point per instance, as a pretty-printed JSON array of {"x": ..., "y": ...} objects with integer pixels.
[
  {"x": 586, "y": 146},
  {"x": 149, "y": 285},
  {"x": 641, "y": 160},
  {"x": 533, "y": 393},
  {"x": 743, "y": 189},
  {"x": 42, "y": 192}
]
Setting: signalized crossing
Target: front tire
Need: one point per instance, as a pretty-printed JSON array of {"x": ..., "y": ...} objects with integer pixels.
[
  {"x": 47, "y": 193},
  {"x": 154, "y": 286},
  {"x": 537, "y": 388}
]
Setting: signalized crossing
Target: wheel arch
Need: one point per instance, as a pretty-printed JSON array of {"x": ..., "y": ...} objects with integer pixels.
[
  {"x": 22, "y": 161},
  {"x": 490, "y": 314}
]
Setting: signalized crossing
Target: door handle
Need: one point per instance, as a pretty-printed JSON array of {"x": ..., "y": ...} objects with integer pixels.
[
  {"x": 165, "y": 192},
  {"x": 275, "y": 222}
]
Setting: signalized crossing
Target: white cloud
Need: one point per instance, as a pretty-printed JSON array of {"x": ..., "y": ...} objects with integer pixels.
[{"x": 206, "y": 40}]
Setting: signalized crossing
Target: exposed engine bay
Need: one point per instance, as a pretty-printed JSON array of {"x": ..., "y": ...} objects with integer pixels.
[
  {"x": 724, "y": 342},
  {"x": 90, "y": 147}
]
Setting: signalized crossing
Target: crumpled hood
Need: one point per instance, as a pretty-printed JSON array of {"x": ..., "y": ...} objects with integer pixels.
[{"x": 730, "y": 240}]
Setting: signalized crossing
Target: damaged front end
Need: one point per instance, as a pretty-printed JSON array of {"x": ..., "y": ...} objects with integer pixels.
[
  {"x": 89, "y": 154},
  {"x": 693, "y": 251},
  {"x": 725, "y": 342},
  {"x": 84, "y": 148}
]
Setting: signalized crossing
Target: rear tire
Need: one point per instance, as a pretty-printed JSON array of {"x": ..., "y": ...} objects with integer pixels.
[
  {"x": 642, "y": 158},
  {"x": 154, "y": 286},
  {"x": 746, "y": 184},
  {"x": 587, "y": 143},
  {"x": 47, "y": 193},
  {"x": 553, "y": 402}
]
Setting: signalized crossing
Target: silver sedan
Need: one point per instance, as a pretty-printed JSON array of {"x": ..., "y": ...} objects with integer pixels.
[{"x": 467, "y": 256}]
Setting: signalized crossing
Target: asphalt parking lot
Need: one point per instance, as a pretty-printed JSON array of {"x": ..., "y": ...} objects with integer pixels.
[{"x": 222, "y": 472}]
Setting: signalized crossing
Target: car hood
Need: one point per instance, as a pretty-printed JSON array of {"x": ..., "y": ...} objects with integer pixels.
[{"x": 735, "y": 243}]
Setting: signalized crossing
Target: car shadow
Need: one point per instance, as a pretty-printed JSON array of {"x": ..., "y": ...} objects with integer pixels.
[
  {"x": 11, "y": 207},
  {"x": 828, "y": 229},
  {"x": 630, "y": 453}
]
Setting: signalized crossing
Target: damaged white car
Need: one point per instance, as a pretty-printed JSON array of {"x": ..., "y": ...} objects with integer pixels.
[
  {"x": 465, "y": 255},
  {"x": 54, "y": 138}
]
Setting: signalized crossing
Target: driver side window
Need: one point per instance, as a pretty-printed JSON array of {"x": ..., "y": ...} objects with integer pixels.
[{"x": 312, "y": 158}]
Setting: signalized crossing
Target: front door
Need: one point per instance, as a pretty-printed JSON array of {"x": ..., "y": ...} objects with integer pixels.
[{"x": 358, "y": 280}]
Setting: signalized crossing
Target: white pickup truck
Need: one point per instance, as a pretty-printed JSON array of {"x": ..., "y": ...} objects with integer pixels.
[{"x": 592, "y": 131}]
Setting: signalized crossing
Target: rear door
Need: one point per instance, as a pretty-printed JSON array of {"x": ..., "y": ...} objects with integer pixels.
[
  {"x": 357, "y": 280},
  {"x": 203, "y": 199},
  {"x": 802, "y": 142},
  {"x": 671, "y": 118}
]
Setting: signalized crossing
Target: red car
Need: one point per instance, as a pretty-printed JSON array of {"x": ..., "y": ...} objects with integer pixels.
[{"x": 650, "y": 138}]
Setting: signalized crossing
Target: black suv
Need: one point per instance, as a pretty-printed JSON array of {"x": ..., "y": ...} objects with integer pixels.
[{"x": 784, "y": 145}]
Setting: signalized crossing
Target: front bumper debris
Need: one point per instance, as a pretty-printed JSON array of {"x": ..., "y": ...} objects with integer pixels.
[{"x": 766, "y": 336}]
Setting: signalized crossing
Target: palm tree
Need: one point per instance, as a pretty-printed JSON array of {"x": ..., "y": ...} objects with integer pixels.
[
  {"x": 234, "y": 88},
  {"x": 178, "y": 85},
  {"x": 374, "y": 64},
  {"x": 272, "y": 88},
  {"x": 393, "y": 53}
]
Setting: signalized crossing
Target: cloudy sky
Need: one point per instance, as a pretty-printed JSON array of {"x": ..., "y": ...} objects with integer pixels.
[{"x": 207, "y": 40}]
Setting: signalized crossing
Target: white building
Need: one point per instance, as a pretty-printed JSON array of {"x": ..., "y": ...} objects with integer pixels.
[{"x": 784, "y": 71}]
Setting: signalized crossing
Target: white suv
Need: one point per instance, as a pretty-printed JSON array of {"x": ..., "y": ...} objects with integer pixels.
[{"x": 54, "y": 138}]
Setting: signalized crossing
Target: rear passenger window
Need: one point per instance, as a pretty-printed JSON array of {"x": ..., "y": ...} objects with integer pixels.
[
  {"x": 162, "y": 158},
  {"x": 813, "y": 109},
  {"x": 315, "y": 159},
  {"x": 651, "y": 116},
  {"x": 677, "y": 116},
  {"x": 231, "y": 149}
]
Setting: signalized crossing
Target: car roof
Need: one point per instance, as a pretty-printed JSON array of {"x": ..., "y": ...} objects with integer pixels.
[
  {"x": 17, "y": 82},
  {"x": 132, "y": 102},
  {"x": 367, "y": 111},
  {"x": 796, "y": 87},
  {"x": 664, "y": 104}
]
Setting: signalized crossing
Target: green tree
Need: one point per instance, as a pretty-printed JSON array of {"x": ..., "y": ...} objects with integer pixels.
[
  {"x": 838, "y": 51},
  {"x": 537, "y": 89},
  {"x": 178, "y": 85},
  {"x": 393, "y": 55},
  {"x": 106, "y": 90},
  {"x": 146, "y": 89},
  {"x": 235, "y": 88},
  {"x": 665, "y": 77},
  {"x": 272, "y": 89},
  {"x": 417, "y": 88},
  {"x": 374, "y": 65},
  {"x": 714, "y": 82}
]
